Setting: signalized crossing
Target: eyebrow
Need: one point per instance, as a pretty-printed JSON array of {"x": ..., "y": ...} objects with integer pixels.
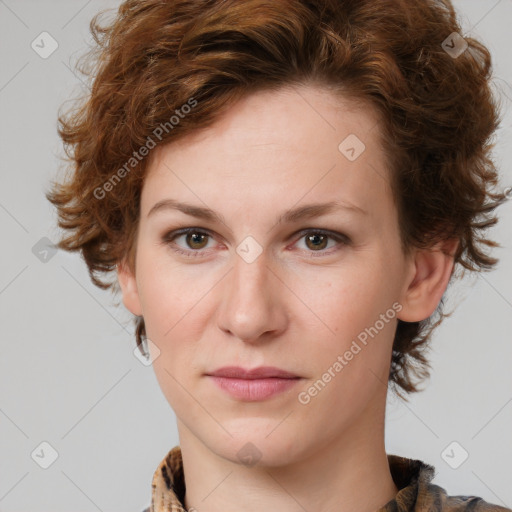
[{"x": 294, "y": 215}]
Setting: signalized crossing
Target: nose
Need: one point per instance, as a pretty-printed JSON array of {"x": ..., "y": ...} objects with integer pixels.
[{"x": 253, "y": 301}]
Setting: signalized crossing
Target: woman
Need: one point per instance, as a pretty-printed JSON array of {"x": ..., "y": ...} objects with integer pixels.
[{"x": 285, "y": 190}]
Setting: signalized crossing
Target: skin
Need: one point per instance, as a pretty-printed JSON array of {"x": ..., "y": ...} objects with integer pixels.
[{"x": 298, "y": 305}]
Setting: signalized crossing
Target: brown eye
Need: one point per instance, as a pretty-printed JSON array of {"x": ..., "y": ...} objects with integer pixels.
[
  {"x": 196, "y": 239},
  {"x": 317, "y": 241},
  {"x": 189, "y": 242}
]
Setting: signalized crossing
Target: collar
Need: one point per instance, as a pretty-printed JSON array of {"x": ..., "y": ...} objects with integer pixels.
[{"x": 411, "y": 476}]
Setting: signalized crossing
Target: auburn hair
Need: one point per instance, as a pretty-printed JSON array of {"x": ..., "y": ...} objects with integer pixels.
[{"x": 437, "y": 113}]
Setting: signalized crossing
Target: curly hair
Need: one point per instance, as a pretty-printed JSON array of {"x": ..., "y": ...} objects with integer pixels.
[{"x": 191, "y": 60}]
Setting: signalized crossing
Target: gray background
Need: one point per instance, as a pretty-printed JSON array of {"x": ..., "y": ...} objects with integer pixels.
[{"x": 68, "y": 373}]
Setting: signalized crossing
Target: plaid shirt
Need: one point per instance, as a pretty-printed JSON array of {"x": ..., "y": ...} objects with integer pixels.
[{"x": 412, "y": 477}]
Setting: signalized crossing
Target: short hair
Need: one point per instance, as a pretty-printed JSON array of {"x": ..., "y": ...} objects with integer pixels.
[{"x": 163, "y": 69}]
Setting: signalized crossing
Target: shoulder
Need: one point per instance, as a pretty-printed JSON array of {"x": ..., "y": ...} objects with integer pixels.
[
  {"x": 459, "y": 503},
  {"x": 418, "y": 493}
]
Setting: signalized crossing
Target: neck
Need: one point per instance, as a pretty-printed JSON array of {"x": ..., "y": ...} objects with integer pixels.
[{"x": 348, "y": 469}]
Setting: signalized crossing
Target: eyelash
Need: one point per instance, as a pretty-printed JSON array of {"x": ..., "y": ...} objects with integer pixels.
[{"x": 168, "y": 239}]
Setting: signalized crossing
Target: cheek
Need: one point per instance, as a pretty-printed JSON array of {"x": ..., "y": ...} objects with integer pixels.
[
  {"x": 343, "y": 300},
  {"x": 174, "y": 309},
  {"x": 350, "y": 359},
  {"x": 165, "y": 293},
  {"x": 170, "y": 304},
  {"x": 345, "y": 319}
]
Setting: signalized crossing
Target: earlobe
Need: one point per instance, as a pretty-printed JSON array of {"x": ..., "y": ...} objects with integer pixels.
[
  {"x": 430, "y": 273},
  {"x": 129, "y": 290}
]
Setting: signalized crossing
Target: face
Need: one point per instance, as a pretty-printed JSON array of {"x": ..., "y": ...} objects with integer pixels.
[{"x": 316, "y": 292}]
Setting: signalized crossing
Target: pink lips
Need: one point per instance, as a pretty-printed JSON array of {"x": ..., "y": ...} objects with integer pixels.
[{"x": 252, "y": 385}]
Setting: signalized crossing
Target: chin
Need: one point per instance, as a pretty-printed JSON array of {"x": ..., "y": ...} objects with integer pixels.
[{"x": 253, "y": 446}]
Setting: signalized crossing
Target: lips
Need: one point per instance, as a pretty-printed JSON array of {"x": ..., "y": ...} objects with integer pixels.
[
  {"x": 253, "y": 385},
  {"x": 263, "y": 372}
]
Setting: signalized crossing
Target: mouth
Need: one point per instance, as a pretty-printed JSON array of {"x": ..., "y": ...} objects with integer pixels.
[
  {"x": 253, "y": 385},
  {"x": 262, "y": 372}
]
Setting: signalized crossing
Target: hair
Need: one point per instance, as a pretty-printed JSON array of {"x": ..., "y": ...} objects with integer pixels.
[{"x": 437, "y": 114}]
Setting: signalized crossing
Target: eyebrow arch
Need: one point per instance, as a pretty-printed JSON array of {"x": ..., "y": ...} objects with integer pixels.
[{"x": 302, "y": 212}]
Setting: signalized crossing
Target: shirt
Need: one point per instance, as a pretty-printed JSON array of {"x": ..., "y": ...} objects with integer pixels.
[{"x": 412, "y": 478}]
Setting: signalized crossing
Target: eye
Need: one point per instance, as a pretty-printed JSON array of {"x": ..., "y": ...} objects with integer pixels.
[
  {"x": 317, "y": 240},
  {"x": 196, "y": 239}
]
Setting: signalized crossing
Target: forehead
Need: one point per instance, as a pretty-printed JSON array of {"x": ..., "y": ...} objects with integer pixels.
[{"x": 275, "y": 146}]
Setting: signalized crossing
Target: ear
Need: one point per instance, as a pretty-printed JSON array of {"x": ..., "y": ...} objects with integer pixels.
[
  {"x": 430, "y": 272},
  {"x": 129, "y": 289}
]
